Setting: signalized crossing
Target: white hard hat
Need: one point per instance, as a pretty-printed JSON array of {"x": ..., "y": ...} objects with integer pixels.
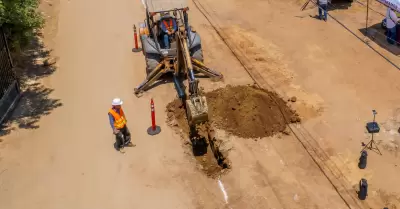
[{"x": 117, "y": 101}]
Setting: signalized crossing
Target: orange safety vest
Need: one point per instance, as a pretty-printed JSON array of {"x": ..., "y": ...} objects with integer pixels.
[
  {"x": 170, "y": 25},
  {"x": 119, "y": 119}
]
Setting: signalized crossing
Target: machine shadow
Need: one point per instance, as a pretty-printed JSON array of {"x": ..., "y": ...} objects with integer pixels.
[
  {"x": 32, "y": 65},
  {"x": 199, "y": 143}
]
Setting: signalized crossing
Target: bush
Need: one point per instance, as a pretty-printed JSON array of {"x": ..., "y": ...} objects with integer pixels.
[{"x": 20, "y": 19}]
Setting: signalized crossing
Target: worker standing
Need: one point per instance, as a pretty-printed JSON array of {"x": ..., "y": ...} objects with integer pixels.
[
  {"x": 118, "y": 124},
  {"x": 323, "y": 7},
  {"x": 391, "y": 23}
]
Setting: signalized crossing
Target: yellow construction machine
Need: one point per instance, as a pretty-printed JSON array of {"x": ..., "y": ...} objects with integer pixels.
[{"x": 178, "y": 54}]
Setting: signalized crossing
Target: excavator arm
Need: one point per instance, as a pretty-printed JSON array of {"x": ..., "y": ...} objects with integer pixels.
[{"x": 196, "y": 104}]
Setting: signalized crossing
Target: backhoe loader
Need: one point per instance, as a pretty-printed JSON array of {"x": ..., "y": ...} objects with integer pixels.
[{"x": 181, "y": 57}]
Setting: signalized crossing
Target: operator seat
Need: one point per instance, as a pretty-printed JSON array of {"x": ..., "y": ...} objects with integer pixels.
[{"x": 166, "y": 22}]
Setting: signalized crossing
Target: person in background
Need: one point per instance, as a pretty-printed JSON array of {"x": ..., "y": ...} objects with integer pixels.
[
  {"x": 118, "y": 124},
  {"x": 323, "y": 5},
  {"x": 391, "y": 22}
]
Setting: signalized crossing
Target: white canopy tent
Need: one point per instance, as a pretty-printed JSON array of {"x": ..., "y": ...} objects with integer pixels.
[
  {"x": 393, "y": 4},
  {"x": 164, "y": 5}
]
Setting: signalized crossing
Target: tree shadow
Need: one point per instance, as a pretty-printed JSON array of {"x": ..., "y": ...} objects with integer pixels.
[
  {"x": 31, "y": 66},
  {"x": 378, "y": 35},
  {"x": 34, "y": 63}
]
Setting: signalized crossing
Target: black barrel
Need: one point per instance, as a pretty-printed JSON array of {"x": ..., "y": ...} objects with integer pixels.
[
  {"x": 362, "y": 164},
  {"x": 363, "y": 192}
]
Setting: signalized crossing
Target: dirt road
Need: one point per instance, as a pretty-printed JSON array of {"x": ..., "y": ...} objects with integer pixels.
[
  {"x": 337, "y": 79},
  {"x": 69, "y": 161}
]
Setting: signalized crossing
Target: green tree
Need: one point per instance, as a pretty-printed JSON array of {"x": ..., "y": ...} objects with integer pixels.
[{"x": 20, "y": 18}]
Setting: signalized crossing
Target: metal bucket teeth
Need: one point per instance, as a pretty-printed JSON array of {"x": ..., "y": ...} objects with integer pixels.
[{"x": 197, "y": 110}]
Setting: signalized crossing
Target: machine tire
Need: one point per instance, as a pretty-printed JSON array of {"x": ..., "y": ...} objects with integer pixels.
[
  {"x": 151, "y": 63},
  {"x": 197, "y": 53}
]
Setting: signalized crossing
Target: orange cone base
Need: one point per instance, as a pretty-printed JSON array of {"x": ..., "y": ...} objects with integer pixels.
[
  {"x": 136, "y": 50},
  {"x": 152, "y": 132}
]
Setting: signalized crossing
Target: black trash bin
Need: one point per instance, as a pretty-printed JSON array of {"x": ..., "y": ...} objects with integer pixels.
[
  {"x": 363, "y": 192},
  {"x": 362, "y": 164}
]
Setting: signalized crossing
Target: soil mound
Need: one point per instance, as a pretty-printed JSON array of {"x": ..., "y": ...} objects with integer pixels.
[
  {"x": 176, "y": 116},
  {"x": 248, "y": 111},
  {"x": 244, "y": 111}
]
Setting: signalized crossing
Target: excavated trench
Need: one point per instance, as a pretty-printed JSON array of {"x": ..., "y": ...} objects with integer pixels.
[{"x": 243, "y": 111}]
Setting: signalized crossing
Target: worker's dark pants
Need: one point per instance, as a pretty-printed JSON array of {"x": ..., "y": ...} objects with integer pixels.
[
  {"x": 323, "y": 8},
  {"x": 165, "y": 37},
  {"x": 166, "y": 41},
  {"x": 391, "y": 35},
  {"x": 123, "y": 137}
]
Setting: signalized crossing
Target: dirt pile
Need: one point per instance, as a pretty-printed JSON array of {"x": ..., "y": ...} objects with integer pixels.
[
  {"x": 244, "y": 111},
  {"x": 248, "y": 111},
  {"x": 176, "y": 115}
]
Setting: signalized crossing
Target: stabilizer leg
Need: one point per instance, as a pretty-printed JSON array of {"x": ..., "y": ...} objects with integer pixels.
[
  {"x": 151, "y": 78},
  {"x": 205, "y": 70}
]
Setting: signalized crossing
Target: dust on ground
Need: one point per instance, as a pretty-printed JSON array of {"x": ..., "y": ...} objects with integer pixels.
[{"x": 244, "y": 111}]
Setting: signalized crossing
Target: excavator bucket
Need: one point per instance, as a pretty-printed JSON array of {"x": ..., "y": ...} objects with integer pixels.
[{"x": 197, "y": 110}]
